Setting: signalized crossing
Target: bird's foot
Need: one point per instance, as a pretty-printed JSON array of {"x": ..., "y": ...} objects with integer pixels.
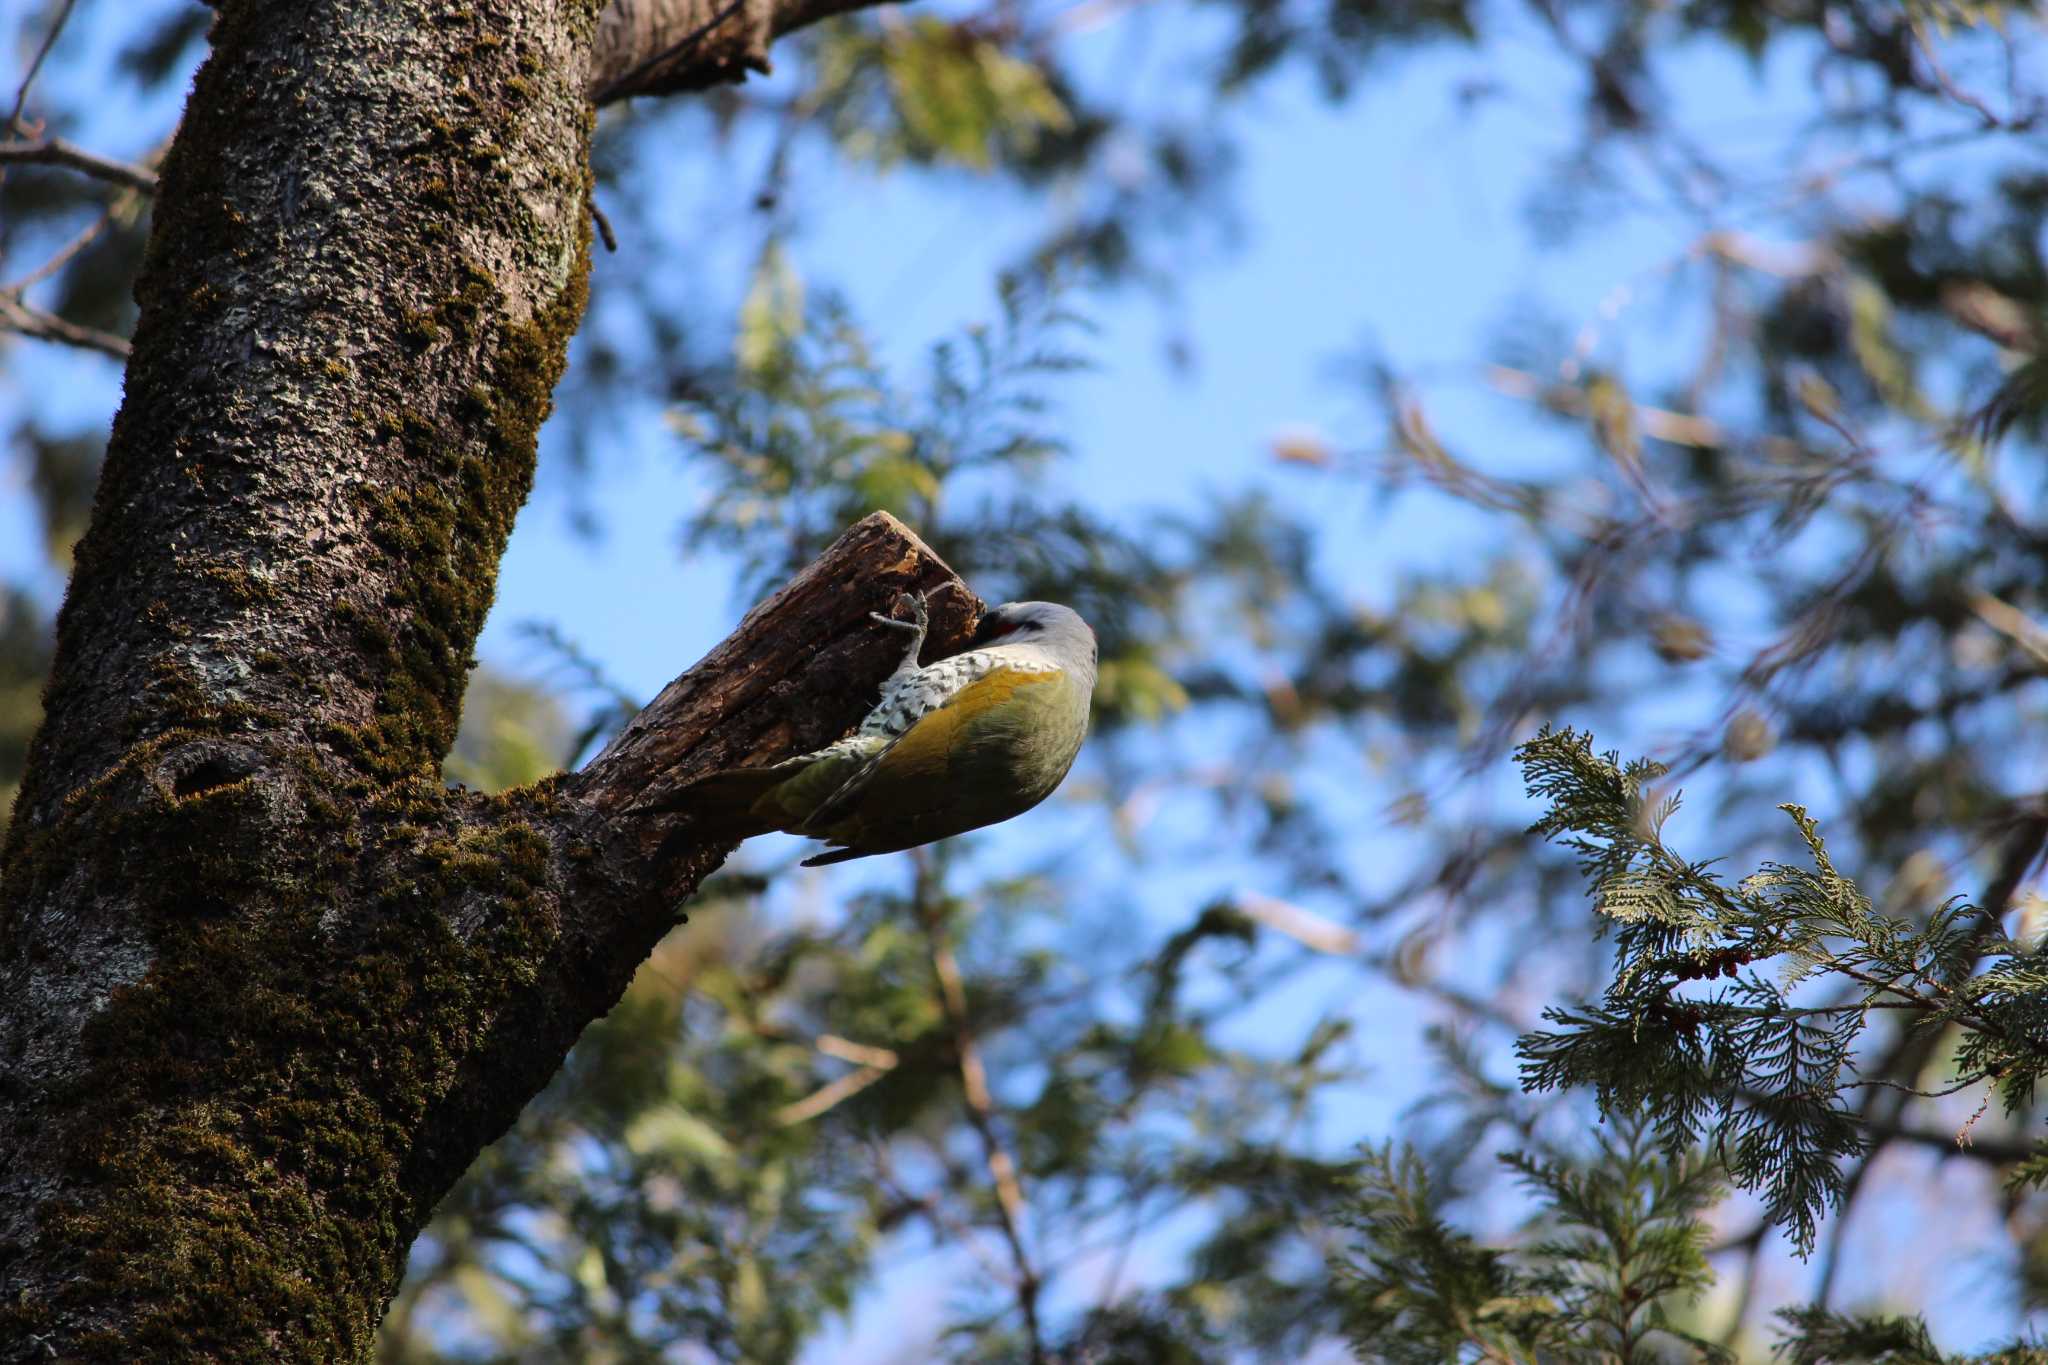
[
  {"x": 920, "y": 618},
  {"x": 920, "y": 621}
]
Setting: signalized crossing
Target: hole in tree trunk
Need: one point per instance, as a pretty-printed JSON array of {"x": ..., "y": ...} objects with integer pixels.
[
  {"x": 214, "y": 772},
  {"x": 202, "y": 768}
]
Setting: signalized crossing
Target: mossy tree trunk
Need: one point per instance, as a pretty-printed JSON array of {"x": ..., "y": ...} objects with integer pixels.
[{"x": 266, "y": 987}]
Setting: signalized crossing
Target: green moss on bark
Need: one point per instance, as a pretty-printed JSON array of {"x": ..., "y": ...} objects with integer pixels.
[
  {"x": 206, "y": 1148},
  {"x": 446, "y": 536},
  {"x": 314, "y": 1051},
  {"x": 250, "y": 1124}
]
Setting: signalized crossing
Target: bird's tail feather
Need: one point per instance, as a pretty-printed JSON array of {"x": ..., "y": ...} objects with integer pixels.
[
  {"x": 738, "y": 803},
  {"x": 723, "y": 804},
  {"x": 838, "y": 855}
]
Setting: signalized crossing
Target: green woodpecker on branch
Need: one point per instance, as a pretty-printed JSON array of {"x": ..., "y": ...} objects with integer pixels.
[{"x": 967, "y": 741}]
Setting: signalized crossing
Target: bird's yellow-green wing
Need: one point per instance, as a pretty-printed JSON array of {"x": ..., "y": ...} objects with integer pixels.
[
  {"x": 790, "y": 803},
  {"x": 913, "y": 775}
]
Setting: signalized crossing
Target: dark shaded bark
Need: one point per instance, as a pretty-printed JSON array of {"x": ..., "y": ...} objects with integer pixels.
[
  {"x": 266, "y": 987},
  {"x": 666, "y": 47}
]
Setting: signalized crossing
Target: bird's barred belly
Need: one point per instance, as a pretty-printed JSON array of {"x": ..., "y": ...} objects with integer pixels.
[{"x": 911, "y": 697}]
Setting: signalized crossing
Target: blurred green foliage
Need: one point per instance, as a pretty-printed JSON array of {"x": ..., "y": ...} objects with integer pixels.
[
  {"x": 1617, "y": 1254},
  {"x": 1774, "y": 516}
]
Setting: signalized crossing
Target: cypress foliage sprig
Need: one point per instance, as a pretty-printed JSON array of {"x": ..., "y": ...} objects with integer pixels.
[
  {"x": 1619, "y": 1244},
  {"x": 1744, "y": 1067}
]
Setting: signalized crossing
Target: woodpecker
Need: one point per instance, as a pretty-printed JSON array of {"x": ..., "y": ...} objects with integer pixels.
[{"x": 970, "y": 740}]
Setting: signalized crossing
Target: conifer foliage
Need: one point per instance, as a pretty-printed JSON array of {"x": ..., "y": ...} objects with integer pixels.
[
  {"x": 1748, "y": 1065},
  {"x": 1617, "y": 1256},
  {"x": 1726, "y": 1043}
]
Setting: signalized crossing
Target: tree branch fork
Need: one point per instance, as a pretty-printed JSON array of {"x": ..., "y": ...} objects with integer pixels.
[
  {"x": 272, "y": 986},
  {"x": 422, "y": 999},
  {"x": 643, "y": 47}
]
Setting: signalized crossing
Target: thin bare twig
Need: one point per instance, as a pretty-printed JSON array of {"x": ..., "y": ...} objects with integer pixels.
[
  {"x": 35, "y": 65},
  {"x": 1992, "y": 1151},
  {"x": 1751, "y": 1245},
  {"x": 874, "y": 1063},
  {"x": 122, "y": 207},
  {"x": 2022, "y": 850},
  {"x": 1949, "y": 87},
  {"x": 64, "y": 254},
  {"x": 824, "y": 1098},
  {"x": 16, "y": 316},
  {"x": 1002, "y": 1168},
  {"x": 930, "y": 1207},
  {"x": 55, "y": 151},
  {"x": 860, "y": 1054},
  {"x": 1305, "y": 927}
]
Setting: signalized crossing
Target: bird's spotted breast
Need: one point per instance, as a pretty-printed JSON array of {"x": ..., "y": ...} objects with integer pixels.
[{"x": 910, "y": 697}]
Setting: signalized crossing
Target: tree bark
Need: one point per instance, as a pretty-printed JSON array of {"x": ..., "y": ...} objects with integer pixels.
[
  {"x": 665, "y": 47},
  {"x": 266, "y": 986}
]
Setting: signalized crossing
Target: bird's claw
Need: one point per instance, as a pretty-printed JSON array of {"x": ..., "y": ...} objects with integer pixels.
[
  {"x": 915, "y": 626},
  {"x": 920, "y": 618}
]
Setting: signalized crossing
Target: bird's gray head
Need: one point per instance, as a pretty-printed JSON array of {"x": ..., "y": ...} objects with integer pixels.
[{"x": 1058, "y": 630}]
